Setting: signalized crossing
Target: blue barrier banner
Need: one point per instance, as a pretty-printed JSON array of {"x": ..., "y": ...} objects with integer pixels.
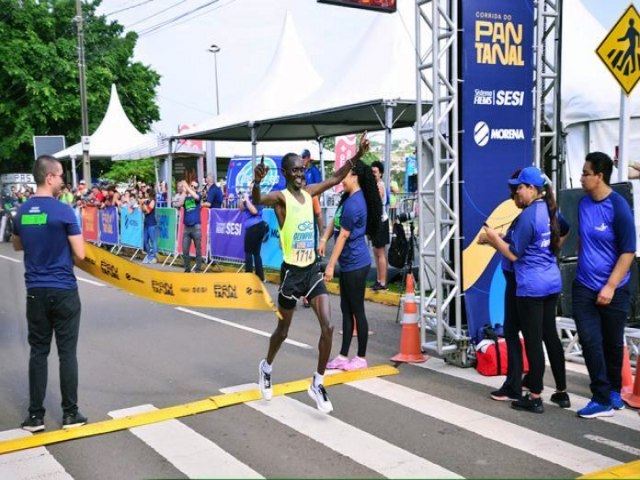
[
  {"x": 227, "y": 235},
  {"x": 131, "y": 227},
  {"x": 271, "y": 250},
  {"x": 497, "y": 121},
  {"x": 108, "y": 222},
  {"x": 78, "y": 212},
  {"x": 240, "y": 175}
]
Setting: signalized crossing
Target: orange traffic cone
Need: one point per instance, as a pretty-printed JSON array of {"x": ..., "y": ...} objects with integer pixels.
[
  {"x": 410, "y": 351},
  {"x": 632, "y": 398},
  {"x": 627, "y": 376}
]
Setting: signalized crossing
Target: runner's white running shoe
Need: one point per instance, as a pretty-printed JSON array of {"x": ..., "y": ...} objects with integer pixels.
[
  {"x": 264, "y": 381},
  {"x": 319, "y": 394}
]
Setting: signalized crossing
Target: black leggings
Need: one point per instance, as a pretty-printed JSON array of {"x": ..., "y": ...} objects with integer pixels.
[
  {"x": 352, "y": 287},
  {"x": 536, "y": 316},
  {"x": 252, "y": 245}
]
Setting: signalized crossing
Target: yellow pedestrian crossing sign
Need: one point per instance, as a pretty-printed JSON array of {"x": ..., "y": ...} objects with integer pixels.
[{"x": 620, "y": 49}]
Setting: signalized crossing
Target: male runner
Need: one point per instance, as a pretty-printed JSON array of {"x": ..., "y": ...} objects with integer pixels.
[{"x": 300, "y": 274}]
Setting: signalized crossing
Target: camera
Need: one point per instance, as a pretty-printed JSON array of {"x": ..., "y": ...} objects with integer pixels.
[{"x": 406, "y": 216}]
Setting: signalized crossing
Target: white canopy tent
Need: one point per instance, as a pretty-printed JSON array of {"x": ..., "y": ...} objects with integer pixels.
[
  {"x": 115, "y": 134},
  {"x": 374, "y": 89},
  {"x": 590, "y": 105}
]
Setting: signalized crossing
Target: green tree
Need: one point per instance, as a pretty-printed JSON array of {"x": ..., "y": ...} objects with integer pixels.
[
  {"x": 39, "y": 86},
  {"x": 127, "y": 170}
]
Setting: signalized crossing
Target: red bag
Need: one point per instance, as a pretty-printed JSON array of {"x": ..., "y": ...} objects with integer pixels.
[{"x": 488, "y": 363}]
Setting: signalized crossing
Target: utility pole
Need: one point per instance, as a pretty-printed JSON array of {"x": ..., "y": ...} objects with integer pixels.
[{"x": 84, "y": 113}]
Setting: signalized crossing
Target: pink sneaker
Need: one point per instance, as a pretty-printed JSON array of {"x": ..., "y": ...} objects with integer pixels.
[
  {"x": 356, "y": 363},
  {"x": 338, "y": 363}
]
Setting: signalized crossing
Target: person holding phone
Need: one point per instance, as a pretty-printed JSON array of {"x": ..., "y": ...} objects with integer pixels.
[{"x": 300, "y": 273}]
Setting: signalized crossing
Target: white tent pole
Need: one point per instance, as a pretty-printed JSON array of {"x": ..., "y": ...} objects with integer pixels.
[
  {"x": 623, "y": 142},
  {"x": 74, "y": 175},
  {"x": 212, "y": 161},
  {"x": 388, "y": 125},
  {"x": 169, "y": 167},
  {"x": 155, "y": 170},
  {"x": 321, "y": 155},
  {"x": 254, "y": 145}
]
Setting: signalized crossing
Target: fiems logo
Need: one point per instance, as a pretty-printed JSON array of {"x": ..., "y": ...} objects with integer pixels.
[{"x": 500, "y": 98}]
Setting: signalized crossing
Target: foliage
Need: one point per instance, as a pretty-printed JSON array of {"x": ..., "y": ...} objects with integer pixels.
[
  {"x": 39, "y": 85},
  {"x": 127, "y": 170}
]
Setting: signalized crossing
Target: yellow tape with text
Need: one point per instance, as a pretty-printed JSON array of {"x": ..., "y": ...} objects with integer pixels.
[{"x": 212, "y": 290}]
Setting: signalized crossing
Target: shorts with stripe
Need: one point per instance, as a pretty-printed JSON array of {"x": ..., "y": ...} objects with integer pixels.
[{"x": 296, "y": 282}]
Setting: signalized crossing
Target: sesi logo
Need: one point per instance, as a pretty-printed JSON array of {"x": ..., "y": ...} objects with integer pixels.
[
  {"x": 510, "y": 98},
  {"x": 233, "y": 229}
]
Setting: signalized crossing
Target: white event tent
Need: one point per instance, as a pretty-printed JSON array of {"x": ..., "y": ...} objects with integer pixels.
[
  {"x": 115, "y": 134},
  {"x": 373, "y": 89},
  {"x": 590, "y": 104}
]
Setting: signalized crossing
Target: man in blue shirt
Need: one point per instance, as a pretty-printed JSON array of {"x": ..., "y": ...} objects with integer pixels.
[
  {"x": 601, "y": 292},
  {"x": 214, "y": 193},
  {"x": 48, "y": 232},
  {"x": 190, "y": 200}
]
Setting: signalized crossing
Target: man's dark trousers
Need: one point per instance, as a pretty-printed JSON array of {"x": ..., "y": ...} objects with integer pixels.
[{"x": 52, "y": 310}]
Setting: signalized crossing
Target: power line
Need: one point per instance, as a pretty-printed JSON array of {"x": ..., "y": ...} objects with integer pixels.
[
  {"x": 156, "y": 14},
  {"x": 170, "y": 21},
  {"x": 128, "y": 8}
]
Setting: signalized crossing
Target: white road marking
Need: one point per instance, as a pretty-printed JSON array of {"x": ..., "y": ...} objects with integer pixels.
[
  {"x": 241, "y": 327},
  {"x": 614, "y": 444},
  {"x": 529, "y": 441},
  {"x": 624, "y": 418},
  {"x": 92, "y": 282},
  {"x": 10, "y": 259},
  {"x": 191, "y": 453},
  {"x": 362, "y": 447},
  {"x": 31, "y": 463}
]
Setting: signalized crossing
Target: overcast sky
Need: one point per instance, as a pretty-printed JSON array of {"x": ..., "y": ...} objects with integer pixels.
[{"x": 247, "y": 32}]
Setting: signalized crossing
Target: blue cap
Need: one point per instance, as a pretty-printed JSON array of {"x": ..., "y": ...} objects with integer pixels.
[
  {"x": 529, "y": 176},
  {"x": 305, "y": 153}
]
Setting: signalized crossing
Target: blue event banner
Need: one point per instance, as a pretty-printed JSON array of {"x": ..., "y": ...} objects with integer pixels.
[
  {"x": 131, "y": 227},
  {"x": 240, "y": 175},
  {"x": 497, "y": 121},
  {"x": 227, "y": 236},
  {"x": 108, "y": 221}
]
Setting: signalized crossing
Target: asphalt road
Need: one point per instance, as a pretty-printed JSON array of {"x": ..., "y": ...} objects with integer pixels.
[{"x": 431, "y": 420}]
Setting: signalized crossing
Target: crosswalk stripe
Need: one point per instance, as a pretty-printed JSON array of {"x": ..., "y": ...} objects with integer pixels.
[
  {"x": 542, "y": 446},
  {"x": 29, "y": 464},
  {"x": 614, "y": 444},
  {"x": 362, "y": 447},
  {"x": 187, "y": 450},
  {"x": 241, "y": 327},
  {"x": 624, "y": 418}
]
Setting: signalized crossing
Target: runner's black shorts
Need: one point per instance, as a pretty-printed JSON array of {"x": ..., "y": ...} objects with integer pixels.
[
  {"x": 296, "y": 282},
  {"x": 381, "y": 237}
]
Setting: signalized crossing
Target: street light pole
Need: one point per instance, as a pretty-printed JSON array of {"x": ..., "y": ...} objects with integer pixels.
[
  {"x": 212, "y": 164},
  {"x": 84, "y": 112},
  {"x": 215, "y": 49}
]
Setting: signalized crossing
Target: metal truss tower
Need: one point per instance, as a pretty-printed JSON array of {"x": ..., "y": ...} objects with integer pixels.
[
  {"x": 437, "y": 135},
  {"x": 548, "y": 146},
  {"x": 439, "y": 178}
]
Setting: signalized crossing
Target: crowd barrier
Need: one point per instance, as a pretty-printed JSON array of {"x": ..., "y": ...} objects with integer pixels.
[{"x": 222, "y": 233}]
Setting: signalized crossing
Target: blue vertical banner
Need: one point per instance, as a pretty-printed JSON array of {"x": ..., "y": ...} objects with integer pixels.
[
  {"x": 497, "y": 121},
  {"x": 131, "y": 227},
  {"x": 108, "y": 221}
]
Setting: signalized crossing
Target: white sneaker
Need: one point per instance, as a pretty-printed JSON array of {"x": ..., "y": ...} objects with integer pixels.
[
  {"x": 319, "y": 394},
  {"x": 264, "y": 381}
]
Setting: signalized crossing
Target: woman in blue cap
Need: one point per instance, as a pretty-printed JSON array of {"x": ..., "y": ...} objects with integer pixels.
[{"x": 534, "y": 244}]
